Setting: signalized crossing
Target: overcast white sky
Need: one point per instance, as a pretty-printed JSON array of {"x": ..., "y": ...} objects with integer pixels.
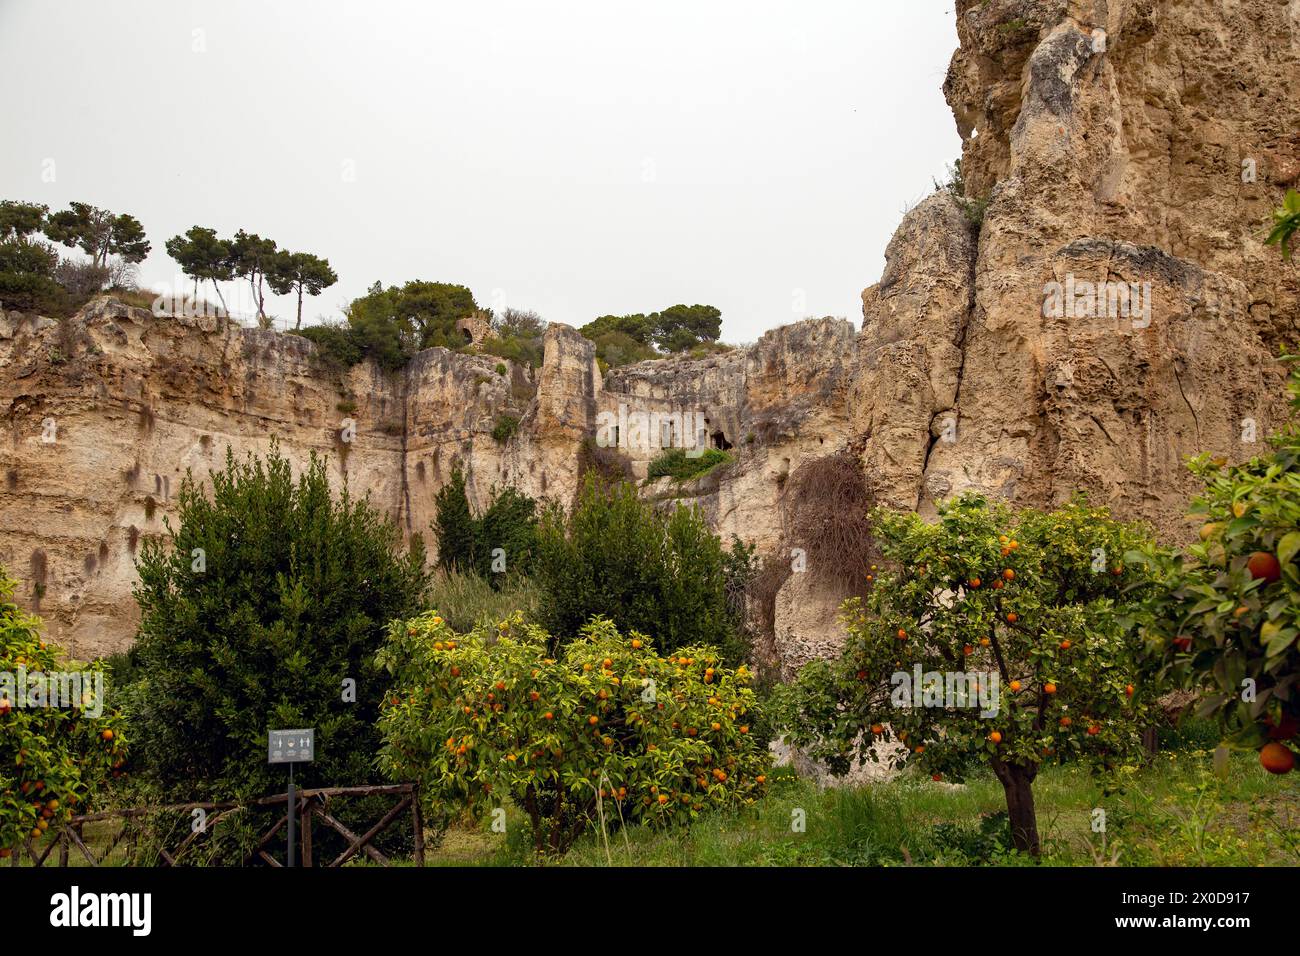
[{"x": 576, "y": 157}]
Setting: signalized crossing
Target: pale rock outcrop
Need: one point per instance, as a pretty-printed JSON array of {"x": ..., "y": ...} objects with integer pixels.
[{"x": 1120, "y": 145}]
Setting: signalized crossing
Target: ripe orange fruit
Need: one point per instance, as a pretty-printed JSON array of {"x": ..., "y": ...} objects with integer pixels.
[
  {"x": 936, "y": 776},
  {"x": 455, "y": 671},
  {"x": 636, "y": 644},
  {"x": 761, "y": 778},
  {"x": 1264, "y": 565},
  {"x": 1008, "y": 574},
  {"x": 593, "y": 720},
  {"x": 716, "y": 726},
  {"x": 1065, "y": 645},
  {"x": 1012, "y": 617},
  {"x": 877, "y": 729},
  {"x": 1049, "y": 688},
  {"x": 968, "y": 650},
  {"x": 974, "y": 582},
  {"x": 1066, "y": 721},
  {"x": 996, "y": 737},
  {"x": 107, "y": 735},
  {"x": 1276, "y": 758},
  {"x": 1129, "y": 690},
  {"x": 548, "y": 716},
  {"x": 1014, "y": 685},
  {"x": 902, "y": 634},
  {"x": 607, "y": 663},
  {"x": 533, "y": 695},
  {"x": 501, "y": 685},
  {"x": 997, "y": 584},
  {"x": 1209, "y": 530},
  {"x": 663, "y": 798},
  {"x": 744, "y": 728},
  {"x": 1094, "y": 730},
  {"x": 985, "y": 642}
]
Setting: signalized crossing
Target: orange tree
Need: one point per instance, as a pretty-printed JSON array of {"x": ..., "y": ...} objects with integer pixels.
[
  {"x": 1227, "y": 618},
  {"x": 1018, "y": 626},
  {"x": 52, "y": 759},
  {"x": 607, "y": 730}
]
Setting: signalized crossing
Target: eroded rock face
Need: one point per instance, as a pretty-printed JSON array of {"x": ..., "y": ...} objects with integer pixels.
[{"x": 1114, "y": 313}]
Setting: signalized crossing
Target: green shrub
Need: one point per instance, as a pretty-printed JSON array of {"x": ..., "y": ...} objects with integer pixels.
[
  {"x": 336, "y": 343},
  {"x": 261, "y": 604},
  {"x": 677, "y": 464},
  {"x": 660, "y": 573},
  {"x": 454, "y": 527},
  {"x": 606, "y": 732},
  {"x": 53, "y": 760},
  {"x": 1227, "y": 614},
  {"x": 505, "y": 428},
  {"x": 497, "y": 545}
]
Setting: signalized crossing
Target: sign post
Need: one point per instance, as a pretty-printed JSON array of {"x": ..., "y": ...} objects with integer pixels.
[{"x": 291, "y": 746}]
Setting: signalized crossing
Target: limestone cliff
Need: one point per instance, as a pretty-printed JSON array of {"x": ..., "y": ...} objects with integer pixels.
[{"x": 1113, "y": 313}]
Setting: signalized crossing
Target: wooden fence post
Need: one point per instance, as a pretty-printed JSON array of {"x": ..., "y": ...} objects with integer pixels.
[
  {"x": 304, "y": 826},
  {"x": 417, "y": 821}
]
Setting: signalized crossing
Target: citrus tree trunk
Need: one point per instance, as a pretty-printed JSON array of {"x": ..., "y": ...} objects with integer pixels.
[{"x": 1018, "y": 784}]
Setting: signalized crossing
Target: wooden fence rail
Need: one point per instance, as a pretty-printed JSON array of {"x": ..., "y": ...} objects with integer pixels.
[{"x": 312, "y": 804}]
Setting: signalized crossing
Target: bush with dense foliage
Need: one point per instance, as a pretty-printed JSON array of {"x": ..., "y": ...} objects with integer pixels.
[
  {"x": 53, "y": 760},
  {"x": 1022, "y": 613},
  {"x": 1227, "y": 618},
  {"x": 609, "y": 731},
  {"x": 661, "y": 573},
  {"x": 263, "y": 608},
  {"x": 498, "y": 545},
  {"x": 623, "y": 339}
]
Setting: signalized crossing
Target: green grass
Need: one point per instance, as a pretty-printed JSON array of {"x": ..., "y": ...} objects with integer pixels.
[
  {"x": 1172, "y": 813},
  {"x": 467, "y": 600},
  {"x": 677, "y": 464}
]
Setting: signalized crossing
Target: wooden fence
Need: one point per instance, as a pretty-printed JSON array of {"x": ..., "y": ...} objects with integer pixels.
[{"x": 312, "y": 805}]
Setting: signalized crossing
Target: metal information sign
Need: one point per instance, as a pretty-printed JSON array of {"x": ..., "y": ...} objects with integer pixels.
[{"x": 291, "y": 746}]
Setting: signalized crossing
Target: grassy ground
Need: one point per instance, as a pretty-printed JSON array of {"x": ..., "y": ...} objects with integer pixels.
[{"x": 1174, "y": 812}]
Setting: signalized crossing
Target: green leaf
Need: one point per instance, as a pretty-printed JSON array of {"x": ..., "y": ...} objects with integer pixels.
[{"x": 1288, "y": 546}]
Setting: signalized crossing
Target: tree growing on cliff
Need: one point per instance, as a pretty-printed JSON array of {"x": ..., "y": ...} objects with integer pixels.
[
  {"x": 98, "y": 233},
  {"x": 299, "y": 272},
  {"x": 20, "y": 220},
  {"x": 249, "y": 258},
  {"x": 27, "y": 265},
  {"x": 203, "y": 257},
  {"x": 263, "y": 607},
  {"x": 997, "y": 637}
]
